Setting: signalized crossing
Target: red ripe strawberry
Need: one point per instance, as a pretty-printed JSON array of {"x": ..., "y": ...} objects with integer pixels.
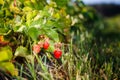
[
  {"x": 57, "y": 53},
  {"x": 36, "y": 48},
  {"x": 46, "y": 45}
]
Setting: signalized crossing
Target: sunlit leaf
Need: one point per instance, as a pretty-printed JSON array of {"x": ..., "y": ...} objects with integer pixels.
[
  {"x": 26, "y": 9},
  {"x": 30, "y": 16},
  {"x": 14, "y": 9},
  {"x": 21, "y": 51},
  {"x": 1, "y": 1},
  {"x": 19, "y": 28},
  {"x": 5, "y": 54},
  {"x": 28, "y": 3},
  {"x": 9, "y": 67}
]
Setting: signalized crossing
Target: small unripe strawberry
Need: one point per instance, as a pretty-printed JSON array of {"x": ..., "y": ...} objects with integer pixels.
[
  {"x": 58, "y": 45},
  {"x": 46, "y": 45},
  {"x": 36, "y": 48},
  {"x": 57, "y": 53},
  {"x": 40, "y": 43}
]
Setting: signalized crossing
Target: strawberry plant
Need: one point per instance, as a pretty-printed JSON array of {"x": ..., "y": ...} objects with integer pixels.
[{"x": 23, "y": 22}]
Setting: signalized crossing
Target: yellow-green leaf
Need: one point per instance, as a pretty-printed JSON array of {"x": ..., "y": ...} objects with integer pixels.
[
  {"x": 27, "y": 9},
  {"x": 1, "y": 2},
  {"x": 9, "y": 67},
  {"x": 5, "y": 53},
  {"x": 21, "y": 51}
]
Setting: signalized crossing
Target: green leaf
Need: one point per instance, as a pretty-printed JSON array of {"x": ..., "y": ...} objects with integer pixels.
[
  {"x": 22, "y": 1},
  {"x": 51, "y": 47},
  {"x": 53, "y": 35},
  {"x": 27, "y": 9},
  {"x": 61, "y": 3},
  {"x": 19, "y": 28},
  {"x": 4, "y": 31},
  {"x": 28, "y": 3},
  {"x": 5, "y": 54},
  {"x": 29, "y": 18},
  {"x": 30, "y": 58},
  {"x": 30, "y": 15},
  {"x": 1, "y": 12},
  {"x": 33, "y": 33},
  {"x": 21, "y": 51},
  {"x": 9, "y": 67}
]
